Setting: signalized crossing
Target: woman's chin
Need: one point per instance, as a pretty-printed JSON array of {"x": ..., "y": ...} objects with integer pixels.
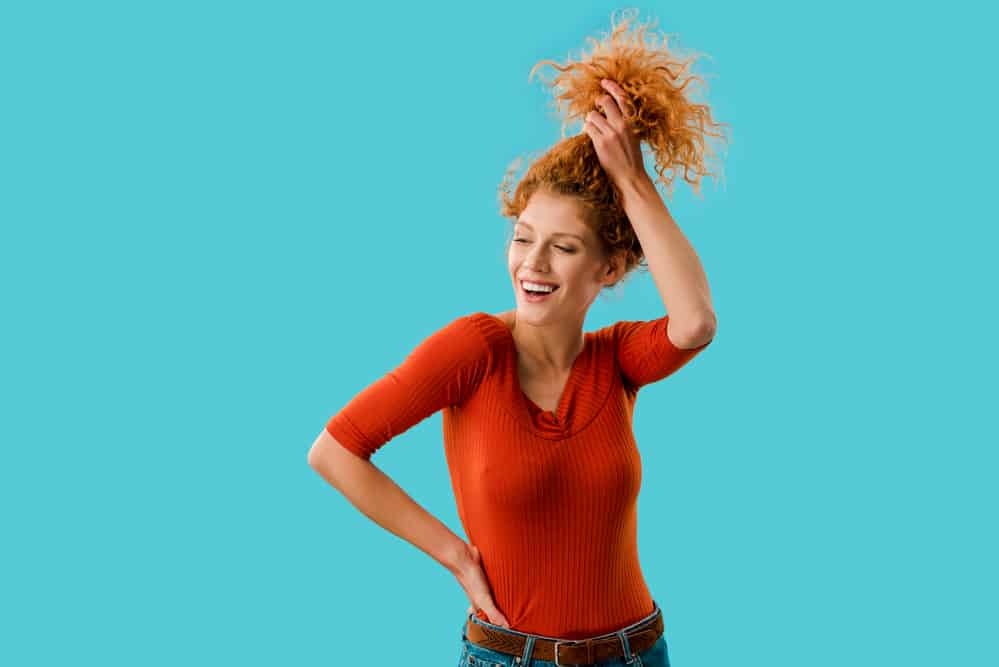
[{"x": 534, "y": 312}]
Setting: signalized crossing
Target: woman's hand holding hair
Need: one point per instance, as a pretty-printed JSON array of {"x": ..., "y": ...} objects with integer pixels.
[
  {"x": 618, "y": 148},
  {"x": 472, "y": 578}
]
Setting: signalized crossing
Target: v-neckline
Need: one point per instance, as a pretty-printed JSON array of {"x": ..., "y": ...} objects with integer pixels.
[{"x": 556, "y": 419}]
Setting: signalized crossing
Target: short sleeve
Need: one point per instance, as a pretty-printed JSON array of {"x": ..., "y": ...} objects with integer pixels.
[
  {"x": 645, "y": 354},
  {"x": 443, "y": 370}
]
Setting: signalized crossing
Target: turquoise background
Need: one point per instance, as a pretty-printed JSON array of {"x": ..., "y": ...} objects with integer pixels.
[{"x": 222, "y": 220}]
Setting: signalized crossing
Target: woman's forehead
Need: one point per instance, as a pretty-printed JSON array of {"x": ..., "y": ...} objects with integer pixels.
[
  {"x": 554, "y": 215},
  {"x": 578, "y": 234}
]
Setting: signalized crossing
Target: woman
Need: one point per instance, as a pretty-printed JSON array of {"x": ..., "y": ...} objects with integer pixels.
[{"x": 537, "y": 412}]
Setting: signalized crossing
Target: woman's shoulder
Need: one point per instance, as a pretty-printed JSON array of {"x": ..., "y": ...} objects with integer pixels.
[
  {"x": 506, "y": 317},
  {"x": 494, "y": 325},
  {"x": 486, "y": 330}
]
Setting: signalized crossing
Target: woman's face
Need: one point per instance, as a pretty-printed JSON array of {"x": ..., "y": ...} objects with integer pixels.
[{"x": 552, "y": 244}]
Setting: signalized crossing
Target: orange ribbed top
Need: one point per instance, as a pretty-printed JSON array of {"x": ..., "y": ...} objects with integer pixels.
[{"x": 549, "y": 499}]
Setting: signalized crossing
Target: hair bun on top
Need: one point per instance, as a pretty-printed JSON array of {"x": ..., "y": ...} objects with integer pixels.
[
  {"x": 659, "y": 102},
  {"x": 659, "y": 108}
]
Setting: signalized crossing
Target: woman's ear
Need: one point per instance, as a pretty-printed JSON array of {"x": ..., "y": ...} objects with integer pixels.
[{"x": 615, "y": 267}]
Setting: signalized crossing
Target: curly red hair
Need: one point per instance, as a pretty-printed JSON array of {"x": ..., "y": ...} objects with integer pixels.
[{"x": 660, "y": 112}]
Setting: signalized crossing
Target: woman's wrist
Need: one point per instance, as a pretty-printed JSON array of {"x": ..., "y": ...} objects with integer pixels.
[{"x": 459, "y": 558}]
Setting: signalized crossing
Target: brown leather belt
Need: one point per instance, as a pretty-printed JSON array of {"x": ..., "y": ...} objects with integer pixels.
[{"x": 568, "y": 651}]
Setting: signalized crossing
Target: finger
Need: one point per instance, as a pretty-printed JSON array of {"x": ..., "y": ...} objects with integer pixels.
[
  {"x": 597, "y": 120},
  {"x": 496, "y": 617},
  {"x": 610, "y": 106},
  {"x": 596, "y": 136},
  {"x": 617, "y": 92}
]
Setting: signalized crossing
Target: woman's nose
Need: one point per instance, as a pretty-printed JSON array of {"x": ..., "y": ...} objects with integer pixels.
[{"x": 534, "y": 261}]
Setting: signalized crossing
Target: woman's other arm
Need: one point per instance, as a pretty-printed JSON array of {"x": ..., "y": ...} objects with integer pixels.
[{"x": 383, "y": 501}]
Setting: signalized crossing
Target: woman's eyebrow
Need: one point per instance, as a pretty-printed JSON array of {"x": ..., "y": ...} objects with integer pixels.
[{"x": 581, "y": 240}]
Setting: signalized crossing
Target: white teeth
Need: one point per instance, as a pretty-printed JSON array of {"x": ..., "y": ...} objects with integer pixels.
[{"x": 537, "y": 287}]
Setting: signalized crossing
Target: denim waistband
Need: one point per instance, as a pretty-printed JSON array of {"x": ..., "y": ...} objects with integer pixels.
[{"x": 655, "y": 611}]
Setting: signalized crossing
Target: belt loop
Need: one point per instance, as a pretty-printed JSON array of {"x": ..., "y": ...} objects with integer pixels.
[
  {"x": 628, "y": 657},
  {"x": 525, "y": 660}
]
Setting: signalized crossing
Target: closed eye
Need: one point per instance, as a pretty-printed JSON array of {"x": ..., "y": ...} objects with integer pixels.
[{"x": 568, "y": 250}]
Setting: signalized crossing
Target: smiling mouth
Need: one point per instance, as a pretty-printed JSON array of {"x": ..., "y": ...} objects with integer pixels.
[{"x": 539, "y": 293}]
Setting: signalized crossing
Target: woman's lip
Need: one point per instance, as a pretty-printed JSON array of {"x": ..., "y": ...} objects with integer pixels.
[
  {"x": 523, "y": 280},
  {"x": 535, "y": 298}
]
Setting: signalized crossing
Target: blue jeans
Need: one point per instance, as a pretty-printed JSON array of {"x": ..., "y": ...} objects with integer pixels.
[{"x": 473, "y": 655}]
